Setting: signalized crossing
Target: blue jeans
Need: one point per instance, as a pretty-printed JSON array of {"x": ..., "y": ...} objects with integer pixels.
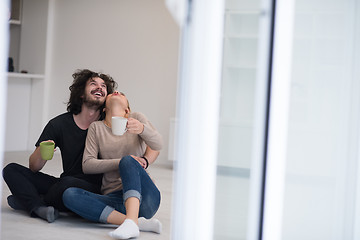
[{"x": 136, "y": 183}]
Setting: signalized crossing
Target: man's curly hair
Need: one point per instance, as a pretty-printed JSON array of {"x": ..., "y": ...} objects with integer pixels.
[{"x": 77, "y": 88}]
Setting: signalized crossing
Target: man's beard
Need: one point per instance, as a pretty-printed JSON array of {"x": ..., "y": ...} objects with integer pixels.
[{"x": 92, "y": 103}]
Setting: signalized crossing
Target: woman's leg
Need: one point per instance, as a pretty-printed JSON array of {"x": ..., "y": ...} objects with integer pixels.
[
  {"x": 132, "y": 212},
  {"x": 146, "y": 225},
  {"x": 129, "y": 228},
  {"x": 54, "y": 196},
  {"x": 140, "y": 194},
  {"x": 95, "y": 207},
  {"x": 137, "y": 183}
]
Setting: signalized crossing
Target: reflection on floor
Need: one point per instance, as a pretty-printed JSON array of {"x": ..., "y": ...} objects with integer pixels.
[
  {"x": 16, "y": 225},
  {"x": 232, "y": 203}
]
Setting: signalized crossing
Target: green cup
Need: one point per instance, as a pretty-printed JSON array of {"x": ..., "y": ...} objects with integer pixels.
[{"x": 47, "y": 150}]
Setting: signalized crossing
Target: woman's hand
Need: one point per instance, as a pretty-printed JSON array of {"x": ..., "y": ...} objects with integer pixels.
[
  {"x": 140, "y": 160},
  {"x": 134, "y": 126}
]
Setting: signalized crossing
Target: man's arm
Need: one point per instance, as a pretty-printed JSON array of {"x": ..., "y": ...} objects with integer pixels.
[
  {"x": 151, "y": 137},
  {"x": 150, "y": 155},
  {"x": 36, "y": 163}
]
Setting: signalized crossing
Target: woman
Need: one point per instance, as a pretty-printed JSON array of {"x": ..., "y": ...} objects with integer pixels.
[{"x": 127, "y": 190}]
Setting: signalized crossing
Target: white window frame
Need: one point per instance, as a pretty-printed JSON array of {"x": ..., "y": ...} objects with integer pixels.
[{"x": 198, "y": 118}]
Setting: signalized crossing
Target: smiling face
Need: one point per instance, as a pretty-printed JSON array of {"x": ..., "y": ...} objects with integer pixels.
[{"x": 95, "y": 92}]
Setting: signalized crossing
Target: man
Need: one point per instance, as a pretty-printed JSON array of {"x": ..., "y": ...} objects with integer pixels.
[{"x": 41, "y": 194}]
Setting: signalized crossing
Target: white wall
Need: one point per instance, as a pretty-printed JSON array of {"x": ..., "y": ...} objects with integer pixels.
[{"x": 135, "y": 41}]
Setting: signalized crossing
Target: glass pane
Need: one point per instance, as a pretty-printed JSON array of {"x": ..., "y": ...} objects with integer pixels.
[
  {"x": 236, "y": 118},
  {"x": 324, "y": 108}
]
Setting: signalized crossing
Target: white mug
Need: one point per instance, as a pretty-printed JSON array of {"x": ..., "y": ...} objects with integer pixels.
[{"x": 118, "y": 125}]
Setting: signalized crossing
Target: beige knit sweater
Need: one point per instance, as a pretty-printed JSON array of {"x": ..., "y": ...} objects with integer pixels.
[{"x": 103, "y": 150}]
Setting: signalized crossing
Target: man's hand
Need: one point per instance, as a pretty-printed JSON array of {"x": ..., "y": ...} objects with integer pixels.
[{"x": 36, "y": 163}]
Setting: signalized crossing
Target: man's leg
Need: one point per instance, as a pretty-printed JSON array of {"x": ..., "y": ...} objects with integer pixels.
[
  {"x": 54, "y": 196},
  {"x": 27, "y": 188}
]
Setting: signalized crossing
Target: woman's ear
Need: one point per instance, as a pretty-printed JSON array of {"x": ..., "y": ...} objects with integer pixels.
[{"x": 127, "y": 111}]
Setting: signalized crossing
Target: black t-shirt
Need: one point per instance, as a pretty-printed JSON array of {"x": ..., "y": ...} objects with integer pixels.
[{"x": 71, "y": 141}]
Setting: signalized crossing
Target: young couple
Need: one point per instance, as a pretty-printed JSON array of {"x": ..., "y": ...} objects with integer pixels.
[{"x": 104, "y": 177}]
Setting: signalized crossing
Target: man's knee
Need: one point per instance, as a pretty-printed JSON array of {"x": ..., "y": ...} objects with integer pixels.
[
  {"x": 70, "y": 181},
  {"x": 9, "y": 169},
  {"x": 63, "y": 184},
  {"x": 67, "y": 181}
]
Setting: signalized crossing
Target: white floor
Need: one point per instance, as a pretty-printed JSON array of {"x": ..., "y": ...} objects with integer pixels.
[{"x": 18, "y": 225}]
